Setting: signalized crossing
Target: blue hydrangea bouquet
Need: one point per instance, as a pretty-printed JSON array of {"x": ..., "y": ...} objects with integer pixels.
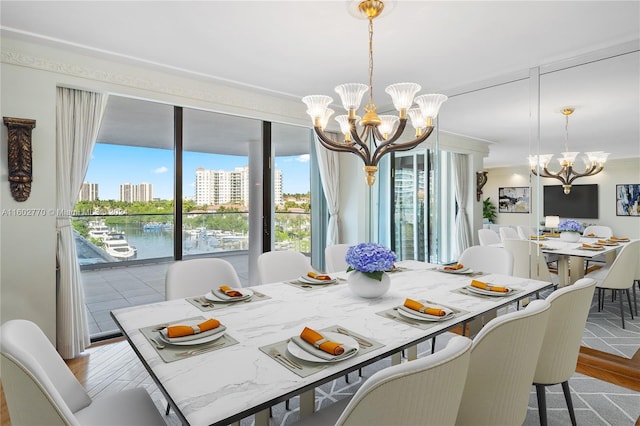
[
  {"x": 372, "y": 259},
  {"x": 570, "y": 225}
]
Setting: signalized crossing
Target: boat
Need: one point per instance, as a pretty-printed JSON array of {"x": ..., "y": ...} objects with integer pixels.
[
  {"x": 117, "y": 246},
  {"x": 98, "y": 230}
]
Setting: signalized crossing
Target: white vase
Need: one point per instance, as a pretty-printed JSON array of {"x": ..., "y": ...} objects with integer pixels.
[
  {"x": 570, "y": 237},
  {"x": 367, "y": 287}
]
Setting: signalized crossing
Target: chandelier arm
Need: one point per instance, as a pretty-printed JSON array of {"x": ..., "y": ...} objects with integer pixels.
[
  {"x": 363, "y": 147},
  {"x": 592, "y": 170},
  {"x": 401, "y": 125},
  {"x": 560, "y": 175},
  {"x": 387, "y": 146},
  {"x": 334, "y": 146}
]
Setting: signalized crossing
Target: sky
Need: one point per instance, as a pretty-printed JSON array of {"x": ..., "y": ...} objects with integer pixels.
[{"x": 112, "y": 165}]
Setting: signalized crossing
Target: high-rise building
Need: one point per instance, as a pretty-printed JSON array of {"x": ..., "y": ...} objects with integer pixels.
[
  {"x": 215, "y": 187},
  {"x": 131, "y": 192},
  {"x": 88, "y": 192},
  {"x": 144, "y": 192}
]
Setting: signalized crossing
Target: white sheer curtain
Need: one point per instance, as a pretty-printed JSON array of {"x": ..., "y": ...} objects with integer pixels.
[
  {"x": 329, "y": 167},
  {"x": 78, "y": 117},
  {"x": 460, "y": 179}
]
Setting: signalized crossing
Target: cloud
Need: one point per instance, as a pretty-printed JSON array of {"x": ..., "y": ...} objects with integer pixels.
[
  {"x": 162, "y": 169},
  {"x": 304, "y": 158}
]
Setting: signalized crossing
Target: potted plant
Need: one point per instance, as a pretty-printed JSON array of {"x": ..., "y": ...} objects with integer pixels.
[
  {"x": 570, "y": 230},
  {"x": 488, "y": 210},
  {"x": 367, "y": 267}
]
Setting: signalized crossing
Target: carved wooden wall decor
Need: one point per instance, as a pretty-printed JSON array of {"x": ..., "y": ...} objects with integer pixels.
[
  {"x": 19, "y": 148},
  {"x": 481, "y": 179}
]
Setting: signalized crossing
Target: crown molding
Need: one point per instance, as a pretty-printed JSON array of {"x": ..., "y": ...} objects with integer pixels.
[{"x": 223, "y": 98}]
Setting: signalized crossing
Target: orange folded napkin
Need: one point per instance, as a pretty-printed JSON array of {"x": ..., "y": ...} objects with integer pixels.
[
  {"x": 319, "y": 341},
  {"x": 485, "y": 286},
  {"x": 619, "y": 238},
  {"x": 229, "y": 291},
  {"x": 591, "y": 234},
  {"x": 318, "y": 276},
  {"x": 534, "y": 237},
  {"x": 417, "y": 306},
  {"x": 453, "y": 267},
  {"x": 603, "y": 241},
  {"x": 187, "y": 330},
  {"x": 585, "y": 245}
]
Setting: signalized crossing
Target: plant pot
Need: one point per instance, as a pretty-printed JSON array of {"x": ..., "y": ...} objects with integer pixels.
[
  {"x": 570, "y": 237},
  {"x": 366, "y": 287}
]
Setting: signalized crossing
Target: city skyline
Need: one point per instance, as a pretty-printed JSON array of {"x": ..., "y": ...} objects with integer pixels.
[{"x": 113, "y": 165}]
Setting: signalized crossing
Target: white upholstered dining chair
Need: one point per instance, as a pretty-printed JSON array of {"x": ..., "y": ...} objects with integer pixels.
[
  {"x": 186, "y": 278},
  {"x": 508, "y": 233},
  {"x": 562, "y": 339},
  {"x": 495, "y": 260},
  {"x": 526, "y": 232},
  {"x": 528, "y": 261},
  {"x": 503, "y": 361},
  {"x": 600, "y": 231},
  {"x": 41, "y": 390},
  {"x": 425, "y": 391},
  {"x": 334, "y": 257},
  {"x": 275, "y": 266},
  {"x": 619, "y": 276},
  {"x": 487, "y": 237}
]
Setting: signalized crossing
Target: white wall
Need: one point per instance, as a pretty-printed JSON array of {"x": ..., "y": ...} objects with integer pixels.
[{"x": 615, "y": 172}]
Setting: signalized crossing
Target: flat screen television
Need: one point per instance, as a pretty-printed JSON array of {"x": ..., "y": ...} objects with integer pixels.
[{"x": 580, "y": 203}]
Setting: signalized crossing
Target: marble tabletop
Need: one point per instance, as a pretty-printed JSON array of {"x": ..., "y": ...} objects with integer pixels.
[{"x": 225, "y": 385}]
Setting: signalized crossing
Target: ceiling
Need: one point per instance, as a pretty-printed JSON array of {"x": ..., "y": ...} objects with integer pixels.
[{"x": 479, "y": 53}]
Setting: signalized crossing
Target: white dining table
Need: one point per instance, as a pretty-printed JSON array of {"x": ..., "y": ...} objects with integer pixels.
[
  {"x": 238, "y": 380},
  {"x": 571, "y": 256}
]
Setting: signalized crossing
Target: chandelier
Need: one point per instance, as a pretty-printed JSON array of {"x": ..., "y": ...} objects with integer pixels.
[
  {"x": 373, "y": 136},
  {"x": 594, "y": 161}
]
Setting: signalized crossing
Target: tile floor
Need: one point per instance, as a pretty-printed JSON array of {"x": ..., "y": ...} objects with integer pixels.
[{"x": 119, "y": 287}]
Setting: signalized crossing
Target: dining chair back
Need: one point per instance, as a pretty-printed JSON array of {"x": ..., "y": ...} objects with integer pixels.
[
  {"x": 504, "y": 355},
  {"x": 496, "y": 260},
  {"x": 561, "y": 344},
  {"x": 195, "y": 277},
  {"x": 526, "y": 232},
  {"x": 620, "y": 276},
  {"x": 597, "y": 231},
  {"x": 508, "y": 233},
  {"x": 275, "y": 266},
  {"x": 425, "y": 391},
  {"x": 41, "y": 390},
  {"x": 334, "y": 257},
  {"x": 528, "y": 260},
  {"x": 487, "y": 237}
]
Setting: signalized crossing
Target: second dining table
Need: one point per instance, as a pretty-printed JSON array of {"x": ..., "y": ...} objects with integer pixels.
[{"x": 254, "y": 363}]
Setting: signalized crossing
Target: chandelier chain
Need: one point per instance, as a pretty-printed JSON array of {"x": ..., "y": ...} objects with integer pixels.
[
  {"x": 370, "y": 61},
  {"x": 566, "y": 133}
]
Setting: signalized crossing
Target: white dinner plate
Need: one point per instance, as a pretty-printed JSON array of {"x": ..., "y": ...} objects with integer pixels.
[
  {"x": 213, "y": 297},
  {"x": 307, "y": 279},
  {"x": 464, "y": 270},
  {"x": 347, "y": 341},
  {"x": 426, "y": 317},
  {"x": 488, "y": 292},
  {"x": 208, "y": 336}
]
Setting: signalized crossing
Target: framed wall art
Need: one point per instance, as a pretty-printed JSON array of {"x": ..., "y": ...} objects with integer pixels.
[
  {"x": 628, "y": 200},
  {"x": 514, "y": 199}
]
